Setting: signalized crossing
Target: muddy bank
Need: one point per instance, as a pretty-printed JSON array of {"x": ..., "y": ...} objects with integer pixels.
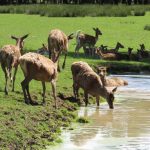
[{"x": 33, "y": 127}]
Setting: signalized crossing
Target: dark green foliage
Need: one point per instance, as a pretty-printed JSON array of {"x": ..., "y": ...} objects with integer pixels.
[
  {"x": 147, "y": 27},
  {"x": 77, "y": 10}
]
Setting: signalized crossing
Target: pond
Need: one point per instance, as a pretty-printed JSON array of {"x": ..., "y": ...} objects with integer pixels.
[{"x": 125, "y": 127}]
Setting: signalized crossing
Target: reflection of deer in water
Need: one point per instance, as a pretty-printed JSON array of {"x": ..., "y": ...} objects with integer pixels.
[{"x": 100, "y": 120}]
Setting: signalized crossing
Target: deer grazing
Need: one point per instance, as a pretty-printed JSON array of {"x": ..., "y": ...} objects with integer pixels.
[
  {"x": 91, "y": 83},
  {"x": 85, "y": 40},
  {"x": 111, "y": 81},
  {"x": 40, "y": 68},
  {"x": 114, "y": 50},
  {"x": 58, "y": 43},
  {"x": 9, "y": 58}
]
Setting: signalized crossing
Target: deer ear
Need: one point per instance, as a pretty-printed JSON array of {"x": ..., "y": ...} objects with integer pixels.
[
  {"x": 25, "y": 36},
  {"x": 94, "y": 29},
  {"x": 70, "y": 37},
  {"x": 114, "y": 90},
  {"x": 13, "y": 37}
]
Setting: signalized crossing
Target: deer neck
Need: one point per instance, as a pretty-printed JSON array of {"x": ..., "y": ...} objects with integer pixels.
[
  {"x": 18, "y": 44},
  {"x": 117, "y": 48},
  {"x": 103, "y": 92},
  {"x": 103, "y": 79},
  {"x": 100, "y": 53},
  {"x": 96, "y": 37}
]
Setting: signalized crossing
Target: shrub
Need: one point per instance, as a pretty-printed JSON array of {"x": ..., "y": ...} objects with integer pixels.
[{"x": 147, "y": 27}]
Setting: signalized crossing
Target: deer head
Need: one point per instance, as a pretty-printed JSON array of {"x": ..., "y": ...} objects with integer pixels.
[
  {"x": 142, "y": 47},
  {"x": 101, "y": 70},
  {"x": 20, "y": 40},
  {"x": 110, "y": 97},
  {"x": 98, "y": 32},
  {"x": 71, "y": 36},
  {"x": 130, "y": 50},
  {"x": 120, "y": 45}
]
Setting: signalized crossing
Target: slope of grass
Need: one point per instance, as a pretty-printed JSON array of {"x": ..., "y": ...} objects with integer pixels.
[{"x": 37, "y": 126}]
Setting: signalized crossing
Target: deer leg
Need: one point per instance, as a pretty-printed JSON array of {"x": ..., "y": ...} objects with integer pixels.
[
  {"x": 58, "y": 67},
  {"x": 44, "y": 89},
  {"x": 77, "y": 49},
  {"x": 14, "y": 78},
  {"x": 53, "y": 83},
  {"x": 86, "y": 98},
  {"x": 28, "y": 93},
  {"x": 64, "y": 63},
  {"x": 6, "y": 78},
  {"x": 25, "y": 88},
  {"x": 75, "y": 90},
  {"x": 97, "y": 100}
]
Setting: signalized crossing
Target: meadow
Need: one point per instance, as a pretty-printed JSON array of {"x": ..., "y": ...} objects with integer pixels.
[{"x": 27, "y": 126}]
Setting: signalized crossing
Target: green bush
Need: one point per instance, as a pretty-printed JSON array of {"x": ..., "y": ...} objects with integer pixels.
[
  {"x": 77, "y": 10},
  {"x": 147, "y": 27}
]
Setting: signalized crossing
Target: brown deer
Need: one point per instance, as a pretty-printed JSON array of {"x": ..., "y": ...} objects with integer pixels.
[
  {"x": 40, "y": 68},
  {"x": 114, "y": 50},
  {"x": 77, "y": 67},
  {"x": 144, "y": 53},
  {"x": 85, "y": 40},
  {"x": 134, "y": 57},
  {"x": 91, "y": 83},
  {"x": 9, "y": 58},
  {"x": 58, "y": 43},
  {"x": 111, "y": 81},
  {"x": 106, "y": 56},
  {"x": 43, "y": 50}
]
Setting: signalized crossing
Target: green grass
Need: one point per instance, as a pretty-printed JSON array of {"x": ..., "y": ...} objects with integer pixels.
[
  {"x": 77, "y": 10},
  {"x": 25, "y": 126}
]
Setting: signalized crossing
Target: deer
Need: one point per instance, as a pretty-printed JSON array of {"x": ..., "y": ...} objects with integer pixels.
[
  {"x": 144, "y": 53},
  {"x": 91, "y": 83},
  {"x": 85, "y": 40},
  {"x": 58, "y": 43},
  {"x": 113, "y": 50},
  {"x": 111, "y": 81},
  {"x": 9, "y": 58},
  {"x": 106, "y": 56},
  {"x": 134, "y": 57},
  {"x": 40, "y": 68},
  {"x": 43, "y": 50},
  {"x": 76, "y": 67}
]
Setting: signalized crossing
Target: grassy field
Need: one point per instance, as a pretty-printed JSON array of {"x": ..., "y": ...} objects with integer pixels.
[{"x": 28, "y": 126}]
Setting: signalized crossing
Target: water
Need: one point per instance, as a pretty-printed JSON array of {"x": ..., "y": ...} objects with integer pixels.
[{"x": 127, "y": 127}]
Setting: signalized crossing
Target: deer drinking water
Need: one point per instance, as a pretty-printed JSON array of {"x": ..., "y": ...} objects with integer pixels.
[
  {"x": 84, "y": 77},
  {"x": 9, "y": 58}
]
